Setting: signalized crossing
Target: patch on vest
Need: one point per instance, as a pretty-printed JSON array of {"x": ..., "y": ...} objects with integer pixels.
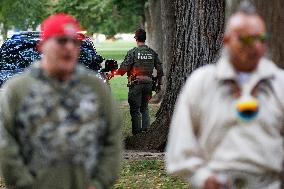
[{"x": 145, "y": 56}]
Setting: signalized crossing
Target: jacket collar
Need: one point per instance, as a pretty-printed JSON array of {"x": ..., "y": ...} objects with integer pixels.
[
  {"x": 225, "y": 70},
  {"x": 38, "y": 72},
  {"x": 144, "y": 45}
]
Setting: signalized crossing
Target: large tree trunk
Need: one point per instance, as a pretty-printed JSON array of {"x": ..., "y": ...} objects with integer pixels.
[
  {"x": 168, "y": 28},
  {"x": 4, "y": 31},
  {"x": 273, "y": 16},
  {"x": 198, "y": 38},
  {"x": 155, "y": 34},
  {"x": 154, "y": 26}
]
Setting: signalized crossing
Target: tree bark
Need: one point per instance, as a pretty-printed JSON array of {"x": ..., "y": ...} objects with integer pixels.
[
  {"x": 155, "y": 34},
  {"x": 154, "y": 26},
  {"x": 198, "y": 39},
  {"x": 168, "y": 28},
  {"x": 4, "y": 31},
  {"x": 271, "y": 11}
]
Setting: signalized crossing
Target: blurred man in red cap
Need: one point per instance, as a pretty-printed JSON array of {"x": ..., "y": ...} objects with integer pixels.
[{"x": 58, "y": 125}]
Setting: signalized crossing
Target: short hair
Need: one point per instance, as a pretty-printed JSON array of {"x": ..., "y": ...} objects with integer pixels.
[
  {"x": 140, "y": 35},
  {"x": 247, "y": 7}
]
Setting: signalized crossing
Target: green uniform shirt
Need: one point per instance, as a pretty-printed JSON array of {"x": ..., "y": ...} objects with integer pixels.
[
  {"x": 141, "y": 60},
  {"x": 58, "y": 135}
]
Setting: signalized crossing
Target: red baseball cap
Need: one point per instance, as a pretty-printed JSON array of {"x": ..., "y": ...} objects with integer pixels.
[{"x": 59, "y": 24}]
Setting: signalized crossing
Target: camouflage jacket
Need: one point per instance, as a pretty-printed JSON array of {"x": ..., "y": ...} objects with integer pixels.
[{"x": 58, "y": 135}]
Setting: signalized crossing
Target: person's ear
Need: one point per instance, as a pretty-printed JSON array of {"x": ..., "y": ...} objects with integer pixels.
[
  {"x": 39, "y": 46},
  {"x": 226, "y": 39}
]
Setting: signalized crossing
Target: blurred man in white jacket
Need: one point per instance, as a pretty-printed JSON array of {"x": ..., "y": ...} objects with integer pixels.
[{"x": 226, "y": 128}]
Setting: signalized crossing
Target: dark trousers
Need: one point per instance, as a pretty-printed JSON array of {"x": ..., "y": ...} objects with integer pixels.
[{"x": 138, "y": 98}]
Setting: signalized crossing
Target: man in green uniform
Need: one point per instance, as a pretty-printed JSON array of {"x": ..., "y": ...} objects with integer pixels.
[
  {"x": 58, "y": 125},
  {"x": 139, "y": 64}
]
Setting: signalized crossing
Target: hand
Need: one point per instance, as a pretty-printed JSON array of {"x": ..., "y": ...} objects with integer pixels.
[
  {"x": 213, "y": 183},
  {"x": 109, "y": 76}
]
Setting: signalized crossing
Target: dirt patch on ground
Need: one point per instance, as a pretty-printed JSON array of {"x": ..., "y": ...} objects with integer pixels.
[
  {"x": 140, "y": 155},
  {"x": 125, "y": 103}
]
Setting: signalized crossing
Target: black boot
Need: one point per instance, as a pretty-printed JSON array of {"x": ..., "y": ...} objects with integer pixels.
[{"x": 136, "y": 125}]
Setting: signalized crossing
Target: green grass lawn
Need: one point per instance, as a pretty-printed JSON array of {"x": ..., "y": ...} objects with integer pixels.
[
  {"x": 147, "y": 174},
  {"x": 114, "y": 49},
  {"x": 119, "y": 88}
]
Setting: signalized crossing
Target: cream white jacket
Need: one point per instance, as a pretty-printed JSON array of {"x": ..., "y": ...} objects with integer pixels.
[{"x": 207, "y": 136}]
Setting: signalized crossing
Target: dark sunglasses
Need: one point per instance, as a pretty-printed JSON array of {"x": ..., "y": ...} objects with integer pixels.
[
  {"x": 64, "y": 40},
  {"x": 251, "y": 39}
]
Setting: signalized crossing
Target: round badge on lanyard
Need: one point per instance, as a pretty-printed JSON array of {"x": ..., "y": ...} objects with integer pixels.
[{"x": 247, "y": 108}]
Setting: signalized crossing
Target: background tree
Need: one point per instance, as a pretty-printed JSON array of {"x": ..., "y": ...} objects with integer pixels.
[
  {"x": 155, "y": 34},
  {"x": 109, "y": 16},
  {"x": 22, "y": 14},
  {"x": 153, "y": 26},
  {"x": 168, "y": 19},
  {"x": 100, "y": 16},
  {"x": 197, "y": 41},
  {"x": 129, "y": 14},
  {"x": 166, "y": 41},
  {"x": 5, "y": 24},
  {"x": 89, "y": 13}
]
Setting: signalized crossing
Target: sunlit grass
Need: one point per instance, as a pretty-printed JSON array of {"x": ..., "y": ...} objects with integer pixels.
[
  {"x": 119, "y": 87},
  {"x": 114, "y": 49},
  {"x": 147, "y": 174}
]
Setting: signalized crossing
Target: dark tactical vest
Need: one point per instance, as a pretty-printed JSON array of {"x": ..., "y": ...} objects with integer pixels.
[{"x": 144, "y": 59}]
